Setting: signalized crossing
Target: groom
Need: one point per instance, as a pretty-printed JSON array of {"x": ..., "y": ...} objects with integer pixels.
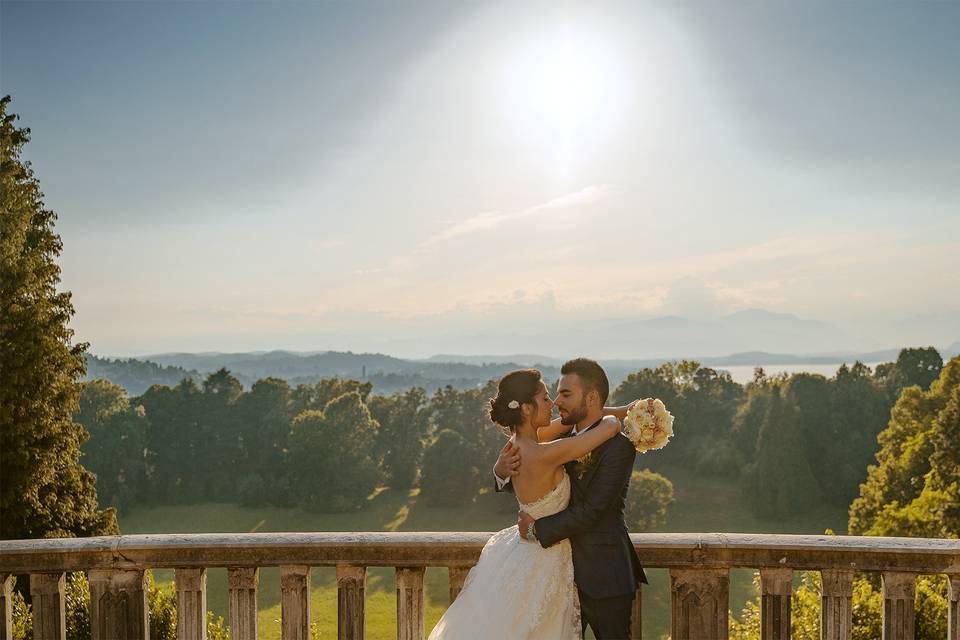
[{"x": 606, "y": 567}]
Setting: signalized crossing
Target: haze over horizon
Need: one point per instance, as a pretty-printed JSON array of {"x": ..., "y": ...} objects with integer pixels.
[{"x": 471, "y": 178}]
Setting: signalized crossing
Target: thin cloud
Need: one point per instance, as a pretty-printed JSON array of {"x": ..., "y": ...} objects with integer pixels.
[{"x": 491, "y": 220}]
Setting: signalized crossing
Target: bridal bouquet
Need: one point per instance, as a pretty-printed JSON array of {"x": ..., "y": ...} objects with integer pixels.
[{"x": 648, "y": 425}]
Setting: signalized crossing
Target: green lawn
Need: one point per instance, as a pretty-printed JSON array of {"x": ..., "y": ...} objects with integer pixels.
[{"x": 702, "y": 504}]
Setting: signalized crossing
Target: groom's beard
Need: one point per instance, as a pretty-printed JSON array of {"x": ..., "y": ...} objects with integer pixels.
[{"x": 575, "y": 416}]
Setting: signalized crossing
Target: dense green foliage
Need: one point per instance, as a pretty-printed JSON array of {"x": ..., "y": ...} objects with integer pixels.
[
  {"x": 930, "y": 605},
  {"x": 703, "y": 402},
  {"x": 404, "y": 420},
  {"x": 44, "y": 490},
  {"x": 794, "y": 441},
  {"x": 914, "y": 489},
  {"x": 648, "y": 499},
  {"x": 161, "y": 601},
  {"x": 116, "y": 444},
  {"x": 448, "y": 478},
  {"x": 333, "y": 464}
]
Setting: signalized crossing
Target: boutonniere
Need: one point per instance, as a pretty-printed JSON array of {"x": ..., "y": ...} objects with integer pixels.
[{"x": 584, "y": 464}]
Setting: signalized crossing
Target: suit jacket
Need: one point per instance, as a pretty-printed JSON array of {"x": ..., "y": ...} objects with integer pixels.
[{"x": 605, "y": 564}]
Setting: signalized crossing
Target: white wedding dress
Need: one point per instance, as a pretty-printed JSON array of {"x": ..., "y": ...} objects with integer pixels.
[{"x": 518, "y": 589}]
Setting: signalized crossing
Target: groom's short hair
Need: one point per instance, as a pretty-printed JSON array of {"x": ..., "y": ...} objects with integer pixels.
[{"x": 591, "y": 374}]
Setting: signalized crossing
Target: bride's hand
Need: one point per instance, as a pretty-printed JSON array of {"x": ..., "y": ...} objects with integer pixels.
[
  {"x": 619, "y": 412},
  {"x": 614, "y": 422},
  {"x": 523, "y": 521},
  {"x": 508, "y": 463}
]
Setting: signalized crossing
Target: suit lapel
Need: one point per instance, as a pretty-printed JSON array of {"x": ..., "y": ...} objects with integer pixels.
[{"x": 572, "y": 466}]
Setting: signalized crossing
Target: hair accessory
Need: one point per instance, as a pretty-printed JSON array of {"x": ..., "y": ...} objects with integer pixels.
[{"x": 513, "y": 404}]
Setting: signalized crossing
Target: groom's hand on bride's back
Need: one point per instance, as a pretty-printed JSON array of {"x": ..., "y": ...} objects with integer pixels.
[{"x": 508, "y": 464}]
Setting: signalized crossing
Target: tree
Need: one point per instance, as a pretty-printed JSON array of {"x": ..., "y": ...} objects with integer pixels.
[
  {"x": 703, "y": 401},
  {"x": 332, "y": 457},
  {"x": 404, "y": 420},
  {"x": 779, "y": 483},
  {"x": 840, "y": 418},
  {"x": 218, "y": 438},
  {"x": 463, "y": 412},
  {"x": 446, "y": 479},
  {"x": 859, "y": 408},
  {"x": 747, "y": 420},
  {"x": 115, "y": 450},
  {"x": 265, "y": 416},
  {"x": 172, "y": 441},
  {"x": 911, "y": 490},
  {"x": 918, "y": 366},
  {"x": 945, "y": 462},
  {"x": 648, "y": 499},
  {"x": 44, "y": 490},
  {"x": 315, "y": 396}
]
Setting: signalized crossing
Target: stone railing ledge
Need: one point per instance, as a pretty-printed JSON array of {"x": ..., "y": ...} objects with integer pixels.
[{"x": 699, "y": 565}]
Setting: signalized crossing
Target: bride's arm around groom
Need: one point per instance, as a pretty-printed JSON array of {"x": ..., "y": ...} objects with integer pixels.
[{"x": 606, "y": 488}]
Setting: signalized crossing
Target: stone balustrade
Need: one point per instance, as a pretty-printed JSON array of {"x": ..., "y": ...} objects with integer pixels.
[{"x": 699, "y": 567}]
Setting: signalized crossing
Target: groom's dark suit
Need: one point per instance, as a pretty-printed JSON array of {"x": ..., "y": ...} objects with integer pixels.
[{"x": 605, "y": 564}]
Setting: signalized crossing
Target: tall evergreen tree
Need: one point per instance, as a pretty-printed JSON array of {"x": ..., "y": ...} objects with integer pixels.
[
  {"x": 44, "y": 490},
  {"x": 173, "y": 454},
  {"x": 780, "y": 483}
]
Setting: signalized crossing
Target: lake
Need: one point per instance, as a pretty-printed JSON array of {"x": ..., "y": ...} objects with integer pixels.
[{"x": 744, "y": 373}]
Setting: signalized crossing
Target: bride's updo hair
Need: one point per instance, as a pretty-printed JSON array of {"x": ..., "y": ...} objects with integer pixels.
[{"x": 520, "y": 386}]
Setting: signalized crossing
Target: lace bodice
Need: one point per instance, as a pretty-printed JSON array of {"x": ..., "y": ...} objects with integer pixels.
[{"x": 552, "y": 502}]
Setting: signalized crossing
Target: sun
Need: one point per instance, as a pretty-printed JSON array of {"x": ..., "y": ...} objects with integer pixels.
[{"x": 563, "y": 89}]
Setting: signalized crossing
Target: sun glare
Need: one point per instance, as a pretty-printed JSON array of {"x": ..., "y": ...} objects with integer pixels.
[{"x": 563, "y": 90}]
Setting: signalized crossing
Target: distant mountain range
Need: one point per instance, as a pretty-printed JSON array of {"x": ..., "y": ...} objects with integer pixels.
[
  {"x": 389, "y": 374},
  {"x": 606, "y": 334}
]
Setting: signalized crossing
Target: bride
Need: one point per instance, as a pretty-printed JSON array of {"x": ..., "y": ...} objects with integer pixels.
[{"x": 518, "y": 589}]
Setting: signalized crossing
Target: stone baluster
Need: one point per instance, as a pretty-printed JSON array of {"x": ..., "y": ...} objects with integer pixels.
[
  {"x": 243, "y": 582},
  {"x": 775, "y": 583},
  {"x": 191, "y": 586},
  {"x": 6, "y": 606},
  {"x": 351, "y": 586},
  {"x": 49, "y": 606},
  {"x": 953, "y": 607},
  {"x": 118, "y": 604},
  {"x": 836, "y": 615},
  {"x": 636, "y": 615},
  {"x": 410, "y": 625},
  {"x": 899, "y": 589},
  {"x": 699, "y": 603},
  {"x": 295, "y": 601},
  {"x": 458, "y": 574}
]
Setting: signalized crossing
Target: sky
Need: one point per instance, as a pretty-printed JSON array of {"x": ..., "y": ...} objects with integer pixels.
[{"x": 496, "y": 177}]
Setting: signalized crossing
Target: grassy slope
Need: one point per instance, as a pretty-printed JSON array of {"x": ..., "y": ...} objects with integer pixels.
[{"x": 702, "y": 504}]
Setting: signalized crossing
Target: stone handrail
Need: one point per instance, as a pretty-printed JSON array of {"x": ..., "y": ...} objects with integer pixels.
[{"x": 699, "y": 565}]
